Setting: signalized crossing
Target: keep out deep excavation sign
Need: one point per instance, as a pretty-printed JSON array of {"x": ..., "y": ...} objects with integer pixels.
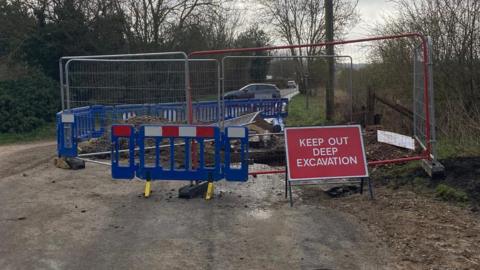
[{"x": 325, "y": 152}]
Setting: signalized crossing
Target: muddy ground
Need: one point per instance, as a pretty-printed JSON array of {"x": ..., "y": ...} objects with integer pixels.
[{"x": 62, "y": 219}]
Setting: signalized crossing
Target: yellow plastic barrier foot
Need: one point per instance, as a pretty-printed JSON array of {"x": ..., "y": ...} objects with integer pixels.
[
  {"x": 147, "y": 189},
  {"x": 209, "y": 194}
]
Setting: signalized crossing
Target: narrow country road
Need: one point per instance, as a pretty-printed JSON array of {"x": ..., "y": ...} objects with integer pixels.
[{"x": 63, "y": 219}]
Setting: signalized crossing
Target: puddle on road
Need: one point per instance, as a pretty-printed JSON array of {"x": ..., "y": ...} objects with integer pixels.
[{"x": 260, "y": 213}]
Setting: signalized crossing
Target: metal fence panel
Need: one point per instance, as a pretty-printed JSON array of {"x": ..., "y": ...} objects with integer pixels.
[
  {"x": 419, "y": 112},
  {"x": 124, "y": 81},
  {"x": 289, "y": 73}
]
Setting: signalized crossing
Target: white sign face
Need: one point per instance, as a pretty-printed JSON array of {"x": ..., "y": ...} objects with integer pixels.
[{"x": 396, "y": 139}]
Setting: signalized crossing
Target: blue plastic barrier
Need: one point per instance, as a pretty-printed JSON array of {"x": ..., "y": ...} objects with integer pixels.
[
  {"x": 186, "y": 137},
  {"x": 236, "y": 138},
  {"x": 173, "y": 112},
  {"x": 91, "y": 121},
  {"x": 205, "y": 112},
  {"x": 66, "y": 135},
  {"x": 270, "y": 108},
  {"x": 179, "y": 141},
  {"x": 127, "y": 134},
  {"x": 98, "y": 118}
]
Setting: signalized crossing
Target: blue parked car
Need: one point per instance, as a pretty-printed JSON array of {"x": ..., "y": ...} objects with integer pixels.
[{"x": 254, "y": 90}]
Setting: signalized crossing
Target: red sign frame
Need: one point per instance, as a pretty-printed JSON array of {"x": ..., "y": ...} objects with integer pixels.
[{"x": 338, "y": 150}]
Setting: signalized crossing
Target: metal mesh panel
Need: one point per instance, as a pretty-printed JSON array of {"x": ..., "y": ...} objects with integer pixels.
[
  {"x": 124, "y": 81},
  {"x": 204, "y": 79},
  {"x": 290, "y": 74},
  {"x": 157, "y": 89},
  {"x": 205, "y": 90},
  {"x": 300, "y": 77},
  {"x": 418, "y": 100},
  {"x": 419, "y": 117}
]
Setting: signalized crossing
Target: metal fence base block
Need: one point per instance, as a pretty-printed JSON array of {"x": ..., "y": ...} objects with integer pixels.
[
  {"x": 75, "y": 163},
  {"x": 433, "y": 168},
  {"x": 193, "y": 191}
]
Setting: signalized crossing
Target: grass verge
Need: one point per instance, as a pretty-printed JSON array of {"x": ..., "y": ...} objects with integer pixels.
[
  {"x": 300, "y": 115},
  {"x": 44, "y": 132},
  {"x": 450, "y": 148}
]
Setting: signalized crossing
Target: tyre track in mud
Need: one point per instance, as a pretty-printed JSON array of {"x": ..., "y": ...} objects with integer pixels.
[{"x": 15, "y": 159}]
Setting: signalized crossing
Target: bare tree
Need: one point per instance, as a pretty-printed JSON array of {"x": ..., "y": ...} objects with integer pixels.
[
  {"x": 302, "y": 22},
  {"x": 454, "y": 28},
  {"x": 150, "y": 21}
]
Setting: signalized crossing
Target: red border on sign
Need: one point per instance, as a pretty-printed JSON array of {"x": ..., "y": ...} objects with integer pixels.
[{"x": 326, "y": 177}]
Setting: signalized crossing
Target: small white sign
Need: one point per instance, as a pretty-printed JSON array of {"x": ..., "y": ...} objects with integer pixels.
[
  {"x": 67, "y": 118},
  {"x": 396, "y": 139}
]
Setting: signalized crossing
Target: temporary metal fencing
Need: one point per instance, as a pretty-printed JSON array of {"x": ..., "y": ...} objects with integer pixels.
[
  {"x": 305, "y": 71},
  {"x": 112, "y": 71},
  {"x": 419, "y": 111},
  {"x": 211, "y": 81},
  {"x": 99, "y": 91},
  {"x": 426, "y": 81}
]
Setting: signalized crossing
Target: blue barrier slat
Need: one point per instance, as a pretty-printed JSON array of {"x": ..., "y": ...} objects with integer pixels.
[
  {"x": 66, "y": 139},
  {"x": 121, "y": 171},
  {"x": 202, "y": 152},
  {"x": 86, "y": 118},
  {"x": 158, "y": 172},
  {"x": 98, "y": 114},
  {"x": 236, "y": 174}
]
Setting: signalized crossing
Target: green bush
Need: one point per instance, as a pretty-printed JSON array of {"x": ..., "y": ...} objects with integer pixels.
[
  {"x": 27, "y": 103},
  {"x": 448, "y": 193}
]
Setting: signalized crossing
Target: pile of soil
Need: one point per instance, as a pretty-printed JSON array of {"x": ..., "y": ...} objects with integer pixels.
[
  {"x": 103, "y": 143},
  {"x": 146, "y": 119},
  {"x": 274, "y": 152}
]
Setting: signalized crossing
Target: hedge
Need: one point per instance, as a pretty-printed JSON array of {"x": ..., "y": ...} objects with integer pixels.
[{"x": 27, "y": 103}]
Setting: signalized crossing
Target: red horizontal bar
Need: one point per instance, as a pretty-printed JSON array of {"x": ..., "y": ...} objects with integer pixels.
[
  {"x": 205, "y": 132},
  {"x": 396, "y": 160},
  {"x": 370, "y": 163},
  {"x": 122, "y": 131},
  {"x": 170, "y": 131},
  {"x": 338, "y": 42}
]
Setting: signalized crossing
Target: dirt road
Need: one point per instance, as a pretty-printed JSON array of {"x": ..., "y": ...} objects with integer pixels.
[{"x": 62, "y": 219}]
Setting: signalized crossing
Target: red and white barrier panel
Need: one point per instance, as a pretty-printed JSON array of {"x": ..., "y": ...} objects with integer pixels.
[
  {"x": 179, "y": 131},
  {"x": 122, "y": 131}
]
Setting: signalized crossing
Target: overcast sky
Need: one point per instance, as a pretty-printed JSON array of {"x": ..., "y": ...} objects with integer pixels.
[{"x": 372, "y": 12}]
